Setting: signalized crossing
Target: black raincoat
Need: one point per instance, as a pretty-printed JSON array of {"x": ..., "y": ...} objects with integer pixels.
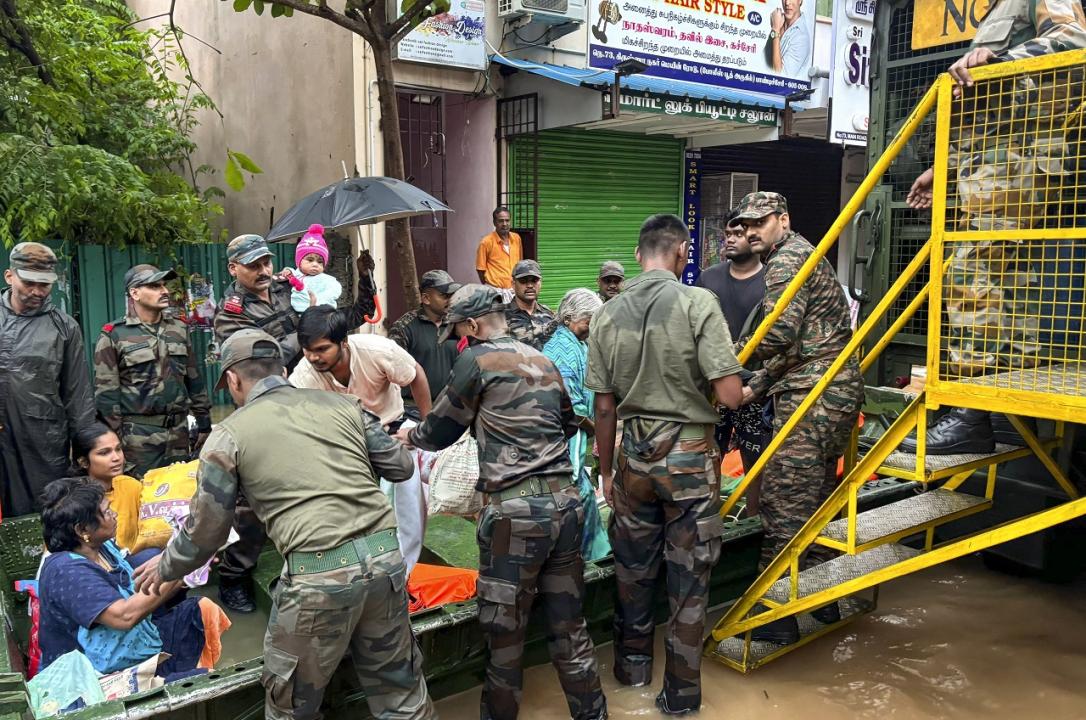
[{"x": 45, "y": 395}]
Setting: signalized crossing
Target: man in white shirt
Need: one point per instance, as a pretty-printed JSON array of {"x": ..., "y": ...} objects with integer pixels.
[{"x": 373, "y": 369}]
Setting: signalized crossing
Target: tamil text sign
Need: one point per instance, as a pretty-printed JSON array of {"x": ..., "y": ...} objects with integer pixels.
[
  {"x": 656, "y": 104},
  {"x": 760, "y": 45}
]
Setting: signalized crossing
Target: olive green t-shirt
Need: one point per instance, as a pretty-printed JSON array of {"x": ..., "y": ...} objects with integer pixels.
[{"x": 657, "y": 346}]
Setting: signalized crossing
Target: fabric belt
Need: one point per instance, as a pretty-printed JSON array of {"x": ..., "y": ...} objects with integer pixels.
[
  {"x": 352, "y": 552},
  {"x": 162, "y": 421},
  {"x": 530, "y": 487}
]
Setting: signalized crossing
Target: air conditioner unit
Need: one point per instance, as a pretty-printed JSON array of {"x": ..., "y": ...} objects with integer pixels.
[{"x": 553, "y": 12}]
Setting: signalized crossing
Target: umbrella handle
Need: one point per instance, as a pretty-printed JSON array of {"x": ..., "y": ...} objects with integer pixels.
[{"x": 377, "y": 314}]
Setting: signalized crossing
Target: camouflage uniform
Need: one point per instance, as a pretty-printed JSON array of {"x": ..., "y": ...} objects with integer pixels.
[
  {"x": 513, "y": 400},
  {"x": 146, "y": 382},
  {"x": 242, "y": 309},
  {"x": 656, "y": 347},
  {"x": 342, "y": 586},
  {"x": 796, "y": 353},
  {"x": 1010, "y": 163},
  {"x": 534, "y": 328}
]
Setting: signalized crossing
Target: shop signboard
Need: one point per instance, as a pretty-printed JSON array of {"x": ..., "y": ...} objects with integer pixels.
[
  {"x": 757, "y": 45},
  {"x": 942, "y": 22},
  {"x": 658, "y": 104},
  {"x": 853, "y": 26},
  {"x": 451, "y": 39},
  {"x": 692, "y": 214}
]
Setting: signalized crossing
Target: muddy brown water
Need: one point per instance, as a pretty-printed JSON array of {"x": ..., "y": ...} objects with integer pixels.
[{"x": 955, "y": 641}]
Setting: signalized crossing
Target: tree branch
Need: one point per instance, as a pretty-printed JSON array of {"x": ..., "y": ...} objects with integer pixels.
[
  {"x": 22, "y": 42},
  {"x": 322, "y": 10},
  {"x": 395, "y": 30}
]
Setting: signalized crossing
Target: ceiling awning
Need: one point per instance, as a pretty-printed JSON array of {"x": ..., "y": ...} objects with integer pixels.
[{"x": 677, "y": 89}]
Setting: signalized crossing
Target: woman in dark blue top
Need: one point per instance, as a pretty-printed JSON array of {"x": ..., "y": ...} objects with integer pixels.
[{"x": 87, "y": 597}]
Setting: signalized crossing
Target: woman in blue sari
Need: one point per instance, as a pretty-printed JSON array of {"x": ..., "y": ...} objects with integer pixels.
[{"x": 569, "y": 352}]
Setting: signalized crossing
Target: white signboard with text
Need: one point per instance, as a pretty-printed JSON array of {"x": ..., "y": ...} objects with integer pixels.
[
  {"x": 853, "y": 23},
  {"x": 759, "y": 45},
  {"x": 452, "y": 39}
]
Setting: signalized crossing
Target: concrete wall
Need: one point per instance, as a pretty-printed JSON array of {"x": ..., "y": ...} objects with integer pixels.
[{"x": 285, "y": 89}]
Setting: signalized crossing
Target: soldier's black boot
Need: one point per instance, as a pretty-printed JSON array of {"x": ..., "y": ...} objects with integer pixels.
[
  {"x": 781, "y": 632},
  {"x": 957, "y": 432},
  {"x": 662, "y": 705},
  {"x": 237, "y": 596}
]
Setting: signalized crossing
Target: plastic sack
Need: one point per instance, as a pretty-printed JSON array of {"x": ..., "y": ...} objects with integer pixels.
[
  {"x": 453, "y": 479},
  {"x": 164, "y": 489},
  {"x": 137, "y": 679},
  {"x": 68, "y": 683}
]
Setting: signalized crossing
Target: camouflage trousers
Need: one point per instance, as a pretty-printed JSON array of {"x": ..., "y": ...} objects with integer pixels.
[
  {"x": 527, "y": 547},
  {"x": 317, "y": 619},
  {"x": 803, "y": 472},
  {"x": 666, "y": 499},
  {"x": 239, "y": 559},
  {"x": 148, "y": 445}
]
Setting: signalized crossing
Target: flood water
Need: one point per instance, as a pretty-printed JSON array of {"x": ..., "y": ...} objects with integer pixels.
[{"x": 955, "y": 641}]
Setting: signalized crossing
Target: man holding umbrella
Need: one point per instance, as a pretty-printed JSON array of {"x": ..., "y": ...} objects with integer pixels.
[{"x": 257, "y": 299}]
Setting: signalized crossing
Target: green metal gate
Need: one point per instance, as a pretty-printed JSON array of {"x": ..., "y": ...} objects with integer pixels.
[{"x": 595, "y": 190}]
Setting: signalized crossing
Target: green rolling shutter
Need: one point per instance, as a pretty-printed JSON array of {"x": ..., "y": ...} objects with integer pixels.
[{"x": 595, "y": 190}]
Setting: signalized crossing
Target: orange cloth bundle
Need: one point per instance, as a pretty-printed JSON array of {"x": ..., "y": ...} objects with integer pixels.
[{"x": 433, "y": 585}]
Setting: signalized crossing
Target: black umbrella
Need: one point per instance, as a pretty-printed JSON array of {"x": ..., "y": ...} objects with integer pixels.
[{"x": 355, "y": 201}]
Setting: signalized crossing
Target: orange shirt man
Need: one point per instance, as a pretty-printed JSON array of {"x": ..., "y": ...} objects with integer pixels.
[{"x": 498, "y": 252}]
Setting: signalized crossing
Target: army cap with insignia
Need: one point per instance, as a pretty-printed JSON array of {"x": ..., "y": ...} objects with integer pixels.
[
  {"x": 612, "y": 269},
  {"x": 527, "y": 268},
  {"x": 470, "y": 301},
  {"x": 33, "y": 262},
  {"x": 247, "y": 248},
  {"x": 140, "y": 275},
  {"x": 247, "y": 344},
  {"x": 439, "y": 280},
  {"x": 759, "y": 204}
]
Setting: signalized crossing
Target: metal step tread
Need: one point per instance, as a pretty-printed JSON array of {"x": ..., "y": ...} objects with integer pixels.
[
  {"x": 932, "y": 463},
  {"x": 732, "y": 647},
  {"x": 841, "y": 569},
  {"x": 896, "y": 517}
]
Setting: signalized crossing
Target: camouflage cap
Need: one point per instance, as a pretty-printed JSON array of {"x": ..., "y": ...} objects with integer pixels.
[
  {"x": 33, "y": 262},
  {"x": 612, "y": 268},
  {"x": 247, "y": 248},
  {"x": 439, "y": 280},
  {"x": 470, "y": 301},
  {"x": 759, "y": 204},
  {"x": 245, "y": 345},
  {"x": 527, "y": 268},
  {"x": 140, "y": 275}
]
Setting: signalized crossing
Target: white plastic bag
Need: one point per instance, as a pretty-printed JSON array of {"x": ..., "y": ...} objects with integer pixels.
[{"x": 453, "y": 480}]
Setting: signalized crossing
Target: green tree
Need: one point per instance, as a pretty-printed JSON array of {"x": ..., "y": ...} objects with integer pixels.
[
  {"x": 369, "y": 19},
  {"x": 95, "y": 129}
]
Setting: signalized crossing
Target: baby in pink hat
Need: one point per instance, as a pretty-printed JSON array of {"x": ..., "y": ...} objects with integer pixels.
[{"x": 311, "y": 256}]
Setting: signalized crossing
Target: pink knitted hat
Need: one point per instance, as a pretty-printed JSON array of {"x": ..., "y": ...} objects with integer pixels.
[{"x": 312, "y": 243}]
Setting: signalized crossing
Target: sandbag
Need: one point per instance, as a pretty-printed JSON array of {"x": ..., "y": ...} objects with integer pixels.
[
  {"x": 164, "y": 489},
  {"x": 453, "y": 480}
]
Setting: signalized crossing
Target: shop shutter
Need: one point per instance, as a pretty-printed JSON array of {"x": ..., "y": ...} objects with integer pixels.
[{"x": 595, "y": 190}]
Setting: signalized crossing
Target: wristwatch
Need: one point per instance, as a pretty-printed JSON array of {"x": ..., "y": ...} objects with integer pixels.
[{"x": 772, "y": 34}]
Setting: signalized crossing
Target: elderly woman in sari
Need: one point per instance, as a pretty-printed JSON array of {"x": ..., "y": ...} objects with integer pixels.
[{"x": 568, "y": 351}]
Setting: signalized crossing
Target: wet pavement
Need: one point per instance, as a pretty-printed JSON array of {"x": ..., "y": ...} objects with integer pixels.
[{"x": 956, "y": 641}]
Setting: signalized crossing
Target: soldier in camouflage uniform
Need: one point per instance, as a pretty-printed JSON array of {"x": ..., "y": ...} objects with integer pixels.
[
  {"x": 655, "y": 355},
  {"x": 796, "y": 353},
  {"x": 1013, "y": 160},
  {"x": 530, "y": 321},
  {"x": 511, "y": 397},
  {"x": 259, "y": 299},
  {"x": 146, "y": 380},
  {"x": 308, "y": 461}
]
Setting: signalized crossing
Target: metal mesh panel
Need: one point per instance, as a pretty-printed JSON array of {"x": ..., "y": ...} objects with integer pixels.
[
  {"x": 909, "y": 230},
  {"x": 899, "y": 42},
  {"x": 1013, "y": 296}
]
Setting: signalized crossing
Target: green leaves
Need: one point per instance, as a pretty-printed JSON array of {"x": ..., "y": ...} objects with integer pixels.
[
  {"x": 235, "y": 163},
  {"x": 277, "y": 10},
  {"x": 242, "y": 5}
]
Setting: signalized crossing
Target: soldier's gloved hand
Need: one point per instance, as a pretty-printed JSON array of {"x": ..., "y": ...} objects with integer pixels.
[{"x": 365, "y": 263}]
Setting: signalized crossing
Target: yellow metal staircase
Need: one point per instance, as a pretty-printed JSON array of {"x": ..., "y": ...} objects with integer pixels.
[{"x": 1050, "y": 387}]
